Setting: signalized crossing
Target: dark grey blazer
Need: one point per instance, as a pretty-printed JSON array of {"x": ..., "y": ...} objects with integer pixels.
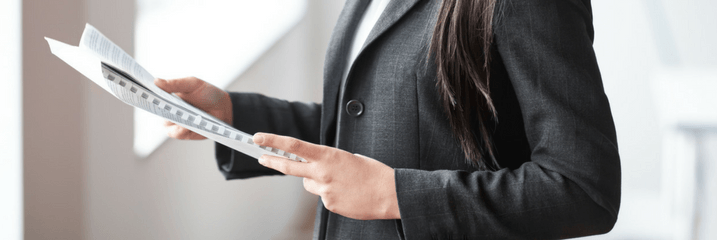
[{"x": 555, "y": 136}]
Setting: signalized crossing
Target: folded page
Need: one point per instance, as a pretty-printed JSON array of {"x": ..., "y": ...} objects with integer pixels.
[
  {"x": 108, "y": 66},
  {"x": 131, "y": 92}
]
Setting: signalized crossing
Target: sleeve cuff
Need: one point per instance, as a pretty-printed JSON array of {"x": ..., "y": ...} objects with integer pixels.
[
  {"x": 236, "y": 165},
  {"x": 233, "y": 164},
  {"x": 418, "y": 192}
]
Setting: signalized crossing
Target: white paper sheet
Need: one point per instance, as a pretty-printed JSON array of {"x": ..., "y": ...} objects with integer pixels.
[{"x": 137, "y": 89}]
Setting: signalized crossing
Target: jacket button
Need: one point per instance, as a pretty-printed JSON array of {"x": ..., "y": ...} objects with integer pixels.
[{"x": 354, "y": 108}]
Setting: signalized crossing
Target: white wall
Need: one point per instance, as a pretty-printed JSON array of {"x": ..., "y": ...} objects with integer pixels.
[
  {"x": 635, "y": 41},
  {"x": 11, "y": 132}
]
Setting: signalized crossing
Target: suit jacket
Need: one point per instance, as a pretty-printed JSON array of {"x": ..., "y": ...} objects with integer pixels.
[{"x": 555, "y": 137}]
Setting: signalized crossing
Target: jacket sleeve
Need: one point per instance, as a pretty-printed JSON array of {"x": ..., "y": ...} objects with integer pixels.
[
  {"x": 571, "y": 184},
  {"x": 254, "y": 113}
]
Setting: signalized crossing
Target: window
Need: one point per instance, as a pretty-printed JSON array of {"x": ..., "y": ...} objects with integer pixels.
[{"x": 213, "y": 40}]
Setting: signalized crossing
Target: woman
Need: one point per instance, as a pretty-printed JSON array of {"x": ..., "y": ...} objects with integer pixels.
[{"x": 445, "y": 119}]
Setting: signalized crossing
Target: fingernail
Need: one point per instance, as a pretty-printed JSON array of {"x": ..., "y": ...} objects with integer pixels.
[
  {"x": 258, "y": 139},
  {"x": 262, "y": 160}
]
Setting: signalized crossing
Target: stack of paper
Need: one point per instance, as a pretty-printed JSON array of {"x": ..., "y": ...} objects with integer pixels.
[{"x": 110, "y": 67}]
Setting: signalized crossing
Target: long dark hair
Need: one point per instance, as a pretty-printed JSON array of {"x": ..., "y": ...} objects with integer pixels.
[{"x": 461, "y": 47}]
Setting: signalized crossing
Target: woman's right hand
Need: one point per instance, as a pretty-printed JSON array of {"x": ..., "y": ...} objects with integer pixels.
[{"x": 200, "y": 94}]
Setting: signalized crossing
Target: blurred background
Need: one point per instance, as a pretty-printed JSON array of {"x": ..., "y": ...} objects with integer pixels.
[{"x": 75, "y": 163}]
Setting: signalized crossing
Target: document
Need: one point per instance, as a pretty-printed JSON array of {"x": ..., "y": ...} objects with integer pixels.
[{"x": 110, "y": 67}]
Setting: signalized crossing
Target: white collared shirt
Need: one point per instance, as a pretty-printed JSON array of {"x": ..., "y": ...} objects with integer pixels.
[{"x": 368, "y": 20}]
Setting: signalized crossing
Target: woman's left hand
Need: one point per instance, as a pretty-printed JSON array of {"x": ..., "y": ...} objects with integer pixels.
[{"x": 351, "y": 185}]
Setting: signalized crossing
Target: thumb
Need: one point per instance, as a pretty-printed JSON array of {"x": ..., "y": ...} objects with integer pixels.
[{"x": 179, "y": 85}]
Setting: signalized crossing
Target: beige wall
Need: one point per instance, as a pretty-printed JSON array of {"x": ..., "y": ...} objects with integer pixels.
[
  {"x": 53, "y": 122},
  {"x": 82, "y": 180}
]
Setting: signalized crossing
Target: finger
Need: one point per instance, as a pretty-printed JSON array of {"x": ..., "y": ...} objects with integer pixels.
[
  {"x": 168, "y": 123},
  {"x": 177, "y": 132},
  {"x": 292, "y": 145},
  {"x": 179, "y": 85},
  {"x": 286, "y": 166},
  {"x": 311, "y": 186}
]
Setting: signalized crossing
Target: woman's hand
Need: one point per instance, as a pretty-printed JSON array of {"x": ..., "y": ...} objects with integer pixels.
[
  {"x": 200, "y": 94},
  {"x": 351, "y": 185}
]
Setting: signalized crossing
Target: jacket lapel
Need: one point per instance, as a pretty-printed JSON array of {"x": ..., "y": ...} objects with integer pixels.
[
  {"x": 335, "y": 62},
  {"x": 339, "y": 45},
  {"x": 394, "y": 11}
]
